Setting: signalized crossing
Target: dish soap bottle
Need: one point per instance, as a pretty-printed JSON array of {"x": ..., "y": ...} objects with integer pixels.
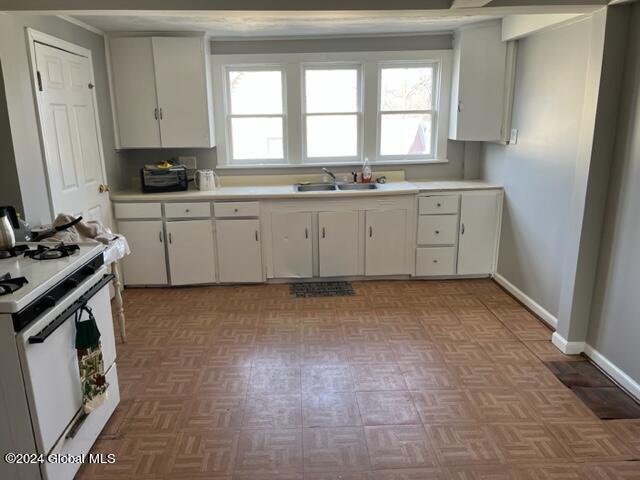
[{"x": 366, "y": 171}]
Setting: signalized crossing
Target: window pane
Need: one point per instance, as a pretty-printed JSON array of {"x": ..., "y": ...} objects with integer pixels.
[
  {"x": 332, "y": 136},
  {"x": 331, "y": 90},
  {"x": 256, "y": 138},
  {"x": 255, "y": 92},
  {"x": 406, "y": 88},
  {"x": 405, "y": 134}
]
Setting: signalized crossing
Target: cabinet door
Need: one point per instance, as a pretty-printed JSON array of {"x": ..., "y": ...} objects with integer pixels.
[
  {"x": 191, "y": 252},
  {"x": 146, "y": 265},
  {"x": 478, "y": 86},
  {"x": 182, "y": 91},
  {"x": 239, "y": 252},
  {"x": 134, "y": 91},
  {"x": 386, "y": 242},
  {"x": 338, "y": 243},
  {"x": 478, "y": 232},
  {"x": 292, "y": 246}
]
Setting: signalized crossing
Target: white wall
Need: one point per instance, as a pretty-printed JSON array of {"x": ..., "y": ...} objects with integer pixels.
[
  {"x": 614, "y": 329},
  {"x": 538, "y": 172}
]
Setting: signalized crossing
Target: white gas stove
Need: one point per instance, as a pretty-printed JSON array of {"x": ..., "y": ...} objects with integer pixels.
[{"x": 42, "y": 286}]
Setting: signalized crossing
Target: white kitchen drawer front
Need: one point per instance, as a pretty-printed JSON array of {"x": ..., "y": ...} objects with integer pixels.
[
  {"x": 236, "y": 209},
  {"x": 187, "y": 210},
  {"x": 437, "y": 229},
  {"x": 137, "y": 210},
  {"x": 438, "y": 204},
  {"x": 435, "y": 261}
]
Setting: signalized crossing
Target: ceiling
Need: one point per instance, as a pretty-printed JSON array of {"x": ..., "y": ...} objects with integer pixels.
[{"x": 286, "y": 24}]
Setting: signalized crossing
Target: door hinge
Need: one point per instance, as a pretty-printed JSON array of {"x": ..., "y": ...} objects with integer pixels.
[{"x": 39, "y": 77}]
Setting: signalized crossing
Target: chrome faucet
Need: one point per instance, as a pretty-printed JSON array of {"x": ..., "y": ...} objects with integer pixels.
[{"x": 331, "y": 174}]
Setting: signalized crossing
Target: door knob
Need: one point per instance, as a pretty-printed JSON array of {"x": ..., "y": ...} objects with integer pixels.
[{"x": 103, "y": 187}]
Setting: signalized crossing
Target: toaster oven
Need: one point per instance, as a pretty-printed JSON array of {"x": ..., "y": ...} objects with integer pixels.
[{"x": 172, "y": 179}]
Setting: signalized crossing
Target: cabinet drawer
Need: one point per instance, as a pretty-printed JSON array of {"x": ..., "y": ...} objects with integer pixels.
[
  {"x": 137, "y": 210},
  {"x": 437, "y": 229},
  {"x": 187, "y": 210},
  {"x": 438, "y": 204},
  {"x": 436, "y": 261},
  {"x": 236, "y": 209}
]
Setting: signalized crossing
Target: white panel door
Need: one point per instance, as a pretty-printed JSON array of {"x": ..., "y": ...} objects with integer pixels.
[
  {"x": 182, "y": 91},
  {"x": 70, "y": 134},
  {"x": 239, "y": 251},
  {"x": 478, "y": 232},
  {"x": 338, "y": 243},
  {"x": 386, "y": 242},
  {"x": 292, "y": 245},
  {"x": 146, "y": 265},
  {"x": 191, "y": 252},
  {"x": 134, "y": 89}
]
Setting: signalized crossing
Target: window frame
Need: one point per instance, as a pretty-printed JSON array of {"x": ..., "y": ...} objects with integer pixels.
[
  {"x": 319, "y": 161},
  {"x": 229, "y": 116},
  {"x": 291, "y": 66},
  {"x": 435, "y": 90}
]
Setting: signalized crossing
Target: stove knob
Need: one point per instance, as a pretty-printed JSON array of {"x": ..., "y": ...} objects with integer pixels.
[
  {"x": 71, "y": 283},
  {"x": 88, "y": 270},
  {"x": 48, "y": 302}
]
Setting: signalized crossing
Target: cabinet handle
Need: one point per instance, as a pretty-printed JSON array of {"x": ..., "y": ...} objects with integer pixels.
[
  {"x": 437, "y": 232},
  {"x": 160, "y": 236},
  {"x": 186, "y": 210},
  {"x": 459, "y": 106},
  {"x": 306, "y": 232},
  {"x": 256, "y": 235},
  {"x": 155, "y": 112},
  {"x": 170, "y": 238},
  {"x": 324, "y": 234},
  {"x": 438, "y": 204},
  {"x": 160, "y": 113},
  {"x": 435, "y": 261},
  {"x": 370, "y": 231},
  {"x": 462, "y": 229}
]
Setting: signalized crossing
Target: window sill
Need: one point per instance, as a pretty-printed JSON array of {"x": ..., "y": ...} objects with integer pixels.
[{"x": 266, "y": 166}]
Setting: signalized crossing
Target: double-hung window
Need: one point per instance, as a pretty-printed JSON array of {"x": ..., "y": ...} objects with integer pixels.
[
  {"x": 332, "y": 107},
  {"x": 255, "y": 115},
  {"x": 406, "y": 114}
]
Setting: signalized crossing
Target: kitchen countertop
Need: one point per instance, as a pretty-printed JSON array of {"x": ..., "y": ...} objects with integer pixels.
[{"x": 270, "y": 192}]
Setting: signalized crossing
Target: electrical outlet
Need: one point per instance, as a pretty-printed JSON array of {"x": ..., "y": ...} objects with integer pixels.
[
  {"x": 189, "y": 162},
  {"x": 513, "y": 138}
]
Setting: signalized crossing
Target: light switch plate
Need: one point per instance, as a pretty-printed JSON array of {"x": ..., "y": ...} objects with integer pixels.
[
  {"x": 513, "y": 138},
  {"x": 189, "y": 162}
]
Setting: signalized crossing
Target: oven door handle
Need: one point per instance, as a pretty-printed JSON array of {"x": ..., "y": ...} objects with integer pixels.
[{"x": 43, "y": 334}]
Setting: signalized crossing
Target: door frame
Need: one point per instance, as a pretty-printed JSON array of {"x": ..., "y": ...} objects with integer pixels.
[{"x": 34, "y": 36}]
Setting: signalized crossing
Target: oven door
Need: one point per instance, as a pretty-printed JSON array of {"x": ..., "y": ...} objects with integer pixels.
[{"x": 50, "y": 363}]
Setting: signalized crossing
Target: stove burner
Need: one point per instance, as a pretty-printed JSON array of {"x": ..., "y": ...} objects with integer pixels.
[
  {"x": 9, "y": 285},
  {"x": 43, "y": 252},
  {"x": 13, "y": 252}
]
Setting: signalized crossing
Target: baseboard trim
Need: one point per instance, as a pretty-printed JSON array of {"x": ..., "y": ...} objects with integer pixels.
[
  {"x": 616, "y": 373},
  {"x": 566, "y": 347},
  {"x": 536, "y": 308}
]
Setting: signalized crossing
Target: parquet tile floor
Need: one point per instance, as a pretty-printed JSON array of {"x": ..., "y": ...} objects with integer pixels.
[{"x": 405, "y": 380}]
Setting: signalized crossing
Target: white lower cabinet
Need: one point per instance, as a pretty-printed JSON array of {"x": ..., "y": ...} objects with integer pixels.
[
  {"x": 191, "y": 252},
  {"x": 292, "y": 245},
  {"x": 479, "y": 219},
  {"x": 239, "y": 251},
  {"x": 386, "y": 242},
  {"x": 146, "y": 265},
  {"x": 436, "y": 261},
  {"x": 338, "y": 243}
]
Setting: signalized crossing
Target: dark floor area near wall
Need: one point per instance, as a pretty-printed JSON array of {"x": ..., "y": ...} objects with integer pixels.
[{"x": 401, "y": 380}]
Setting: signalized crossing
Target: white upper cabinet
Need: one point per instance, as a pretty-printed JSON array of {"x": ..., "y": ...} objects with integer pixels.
[
  {"x": 479, "y": 88},
  {"x": 338, "y": 243},
  {"x": 191, "y": 252},
  {"x": 386, "y": 242},
  {"x": 292, "y": 245},
  {"x": 479, "y": 222},
  {"x": 134, "y": 92},
  {"x": 161, "y": 92}
]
